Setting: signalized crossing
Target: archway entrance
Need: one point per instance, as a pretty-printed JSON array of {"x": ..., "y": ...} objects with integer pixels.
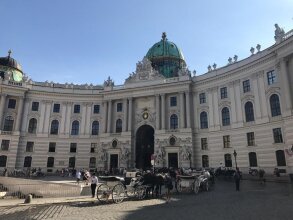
[{"x": 144, "y": 147}]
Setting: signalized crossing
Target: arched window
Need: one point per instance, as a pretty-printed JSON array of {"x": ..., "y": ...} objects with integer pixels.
[
  {"x": 225, "y": 116},
  {"x": 92, "y": 163},
  {"x": 8, "y": 123},
  {"x": 54, "y": 127},
  {"x": 71, "y": 163},
  {"x": 75, "y": 128},
  {"x": 280, "y": 156},
  {"x": 203, "y": 120},
  {"x": 118, "y": 126},
  {"x": 252, "y": 159},
  {"x": 32, "y": 126},
  {"x": 249, "y": 114},
  {"x": 3, "y": 160},
  {"x": 275, "y": 105},
  {"x": 27, "y": 161},
  {"x": 205, "y": 161},
  {"x": 50, "y": 162},
  {"x": 95, "y": 128},
  {"x": 173, "y": 122},
  {"x": 228, "y": 160}
]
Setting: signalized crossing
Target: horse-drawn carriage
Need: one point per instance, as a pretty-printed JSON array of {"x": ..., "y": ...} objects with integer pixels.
[
  {"x": 193, "y": 182},
  {"x": 118, "y": 188}
]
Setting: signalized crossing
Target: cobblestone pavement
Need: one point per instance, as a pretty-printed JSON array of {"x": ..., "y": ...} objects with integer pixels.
[{"x": 254, "y": 201}]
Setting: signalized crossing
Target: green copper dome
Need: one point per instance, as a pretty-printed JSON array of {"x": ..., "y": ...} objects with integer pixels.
[{"x": 166, "y": 57}]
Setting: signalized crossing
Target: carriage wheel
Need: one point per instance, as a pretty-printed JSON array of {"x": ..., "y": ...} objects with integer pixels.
[
  {"x": 118, "y": 193},
  {"x": 141, "y": 192},
  {"x": 179, "y": 187},
  {"x": 196, "y": 187},
  {"x": 103, "y": 193}
]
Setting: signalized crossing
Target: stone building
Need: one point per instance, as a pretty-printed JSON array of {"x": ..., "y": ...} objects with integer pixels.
[{"x": 162, "y": 109}]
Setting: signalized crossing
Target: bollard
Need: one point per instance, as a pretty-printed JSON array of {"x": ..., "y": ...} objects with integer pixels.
[{"x": 28, "y": 198}]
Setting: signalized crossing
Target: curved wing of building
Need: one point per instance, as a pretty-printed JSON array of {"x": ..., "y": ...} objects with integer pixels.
[{"x": 236, "y": 115}]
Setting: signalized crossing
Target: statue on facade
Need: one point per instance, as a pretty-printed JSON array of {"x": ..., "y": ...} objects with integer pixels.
[
  {"x": 108, "y": 82},
  {"x": 124, "y": 153},
  {"x": 185, "y": 153},
  {"x": 279, "y": 33},
  {"x": 160, "y": 153},
  {"x": 102, "y": 155}
]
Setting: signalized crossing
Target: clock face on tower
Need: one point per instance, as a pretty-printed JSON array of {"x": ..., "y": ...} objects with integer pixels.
[{"x": 17, "y": 76}]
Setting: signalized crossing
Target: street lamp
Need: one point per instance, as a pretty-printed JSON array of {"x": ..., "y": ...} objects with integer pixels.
[{"x": 235, "y": 155}]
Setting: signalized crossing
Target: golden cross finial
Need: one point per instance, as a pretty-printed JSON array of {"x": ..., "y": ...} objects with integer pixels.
[{"x": 9, "y": 52}]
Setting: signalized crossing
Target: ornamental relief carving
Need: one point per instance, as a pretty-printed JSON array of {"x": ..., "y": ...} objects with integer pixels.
[
  {"x": 272, "y": 90},
  {"x": 223, "y": 104},
  {"x": 247, "y": 97},
  {"x": 34, "y": 115},
  {"x": 74, "y": 117}
]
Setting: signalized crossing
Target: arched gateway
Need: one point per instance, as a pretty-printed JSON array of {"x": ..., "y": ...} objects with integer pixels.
[{"x": 144, "y": 147}]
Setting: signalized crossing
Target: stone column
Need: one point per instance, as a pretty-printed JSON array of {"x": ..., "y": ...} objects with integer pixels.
[
  {"x": 19, "y": 114},
  {"x": 124, "y": 124},
  {"x": 211, "y": 108},
  {"x": 83, "y": 119},
  {"x": 182, "y": 118},
  {"x": 88, "y": 124},
  {"x": 163, "y": 110},
  {"x": 233, "y": 112},
  {"x": 63, "y": 117},
  {"x": 263, "y": 99},
  {"x": 109, "y": 116},
  {"x": 196, "y": 115},
  {"x": 157, "y": 112},
  {"x": 239, "y": 112},
  {"x": 68, "y": 116},
  {"x": 216, "y": 109},
  {"x": 187, "y": 94},
  {"x": 47, "y": 117},
  {"x": 105, "y": 111},
  {"x": 2, "y": 106},
  {"x": 25, "y": 115},
  {"x": 130, "y": 114},
  {"x": 286, "y": 93},
  {"x": 256, "y": 105}
]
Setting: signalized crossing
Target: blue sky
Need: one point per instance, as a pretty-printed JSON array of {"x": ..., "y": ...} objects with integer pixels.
[{"x": 85, "y": 41}]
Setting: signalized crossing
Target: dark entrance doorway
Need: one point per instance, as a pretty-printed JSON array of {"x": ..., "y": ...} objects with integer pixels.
[
  {"x": 113, "y": 162},
  {"x": 144, "y": 147},
  {"x": 173, "y": 160}
]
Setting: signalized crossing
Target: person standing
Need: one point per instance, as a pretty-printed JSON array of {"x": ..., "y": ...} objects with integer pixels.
[
  {"x": 78, "y": 175},
  {"x": 168, "y": 186},
  {"x": 237, "y": 177},
  {"x": 94, "y": 182}
]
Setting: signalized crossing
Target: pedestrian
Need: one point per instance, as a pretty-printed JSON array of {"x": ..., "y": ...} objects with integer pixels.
[
  {"x": 78, "y": 175},
  {"x": 168, "y": 186},
  {"x": 261, "y": 174},
  {"x": 94, "y": 182},
  {"x": 237, "y": 177}
]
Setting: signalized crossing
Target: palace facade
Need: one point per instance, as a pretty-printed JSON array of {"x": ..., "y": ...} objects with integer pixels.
[{"x": 236, "y": 115}]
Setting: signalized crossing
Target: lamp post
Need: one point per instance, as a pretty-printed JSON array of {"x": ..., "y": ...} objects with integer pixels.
[{"x": 235, "y": 155}]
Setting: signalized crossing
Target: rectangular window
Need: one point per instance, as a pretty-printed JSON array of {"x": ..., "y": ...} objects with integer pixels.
[
  {"x": 11, "y": 103},
  {"x": 119, "y": 107},
  {"x": 52, "y": 146},
  {"x": 250, "y": 139},
  {"x": 5, "y": 145},
  {"x": 76, "y": 109},
  {"x": 73, "y": 147},
  {"x": 226, "y": 141},
  {"x": 96, "y": 109},
  {"x": 202, "y": 98},
  {"x": 224, "y": 93},
  {"x": 173, "y": 101},
  {"x": 278, "y": 138},
  {"x": 29, "y": 146},
  {"x": 93, "y": 147},
  {"x": 204, "y": 143},
  {"x": 246, "y": 86},
  {"x": 272, "y": 77},
  {"x": 56, "y": 108},
  {"x": 35, "y": 106}
]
